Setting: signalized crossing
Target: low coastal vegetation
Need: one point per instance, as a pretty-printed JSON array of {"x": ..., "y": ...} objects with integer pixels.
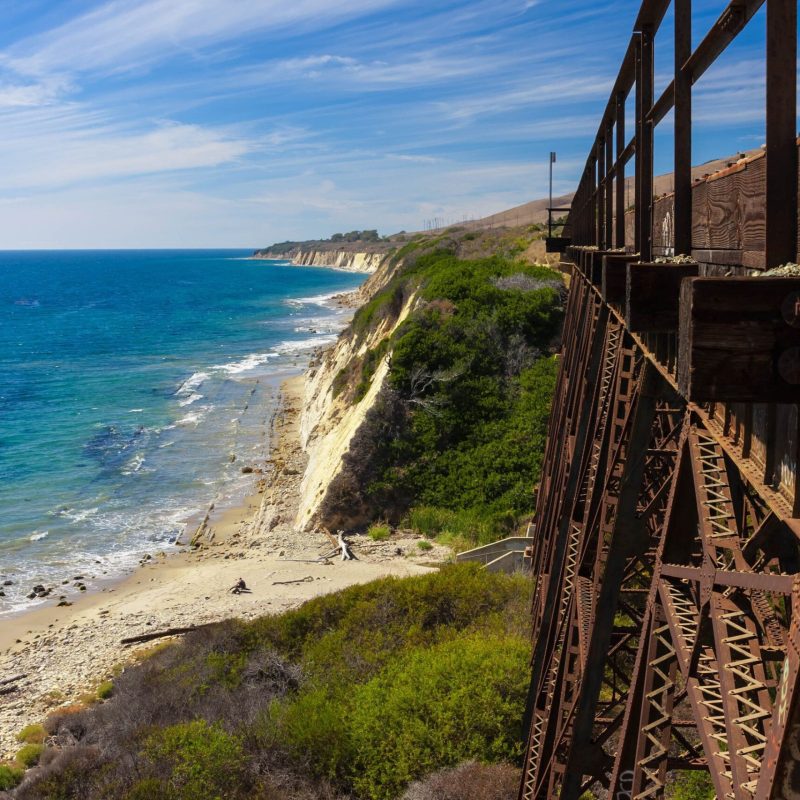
[
  {"x": 368, "y": 240},
  {"x": 366, "y": 694},
  {"x": 452, "y": 445}
]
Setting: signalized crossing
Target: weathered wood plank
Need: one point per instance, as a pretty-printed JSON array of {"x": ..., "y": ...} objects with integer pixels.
[
  {"x": 652, "y": 294},
  {"x": 752, "y": 216},
  {"x": 700, "y": 233},
  {"x": 739, "y": 339},
  {"x": 664, "y": 226}
]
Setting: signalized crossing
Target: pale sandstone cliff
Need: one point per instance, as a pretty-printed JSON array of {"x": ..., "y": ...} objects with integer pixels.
[
  {"x": 328, "y": 423},
  {"x": 335, "y": 259}
]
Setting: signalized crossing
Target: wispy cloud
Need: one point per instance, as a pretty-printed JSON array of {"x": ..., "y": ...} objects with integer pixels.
[
  {"x": 42, "y": 150},
  {"x": 125, "y": 34},
  {"x": 170, "y": 122}
]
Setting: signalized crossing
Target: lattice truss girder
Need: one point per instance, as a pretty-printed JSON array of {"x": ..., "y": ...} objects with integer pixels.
[{"x": 666, "y": 632}]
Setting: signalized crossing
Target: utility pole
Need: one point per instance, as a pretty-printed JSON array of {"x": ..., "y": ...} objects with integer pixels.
[{"x": 550, "y": 207}]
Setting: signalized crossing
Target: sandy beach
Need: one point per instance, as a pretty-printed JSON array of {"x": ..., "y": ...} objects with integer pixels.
[{"x": 64, "y": 652}]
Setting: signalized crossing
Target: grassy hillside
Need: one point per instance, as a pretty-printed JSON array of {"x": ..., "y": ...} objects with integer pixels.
[
  {"x": 455, "y": 440},
  {"x": 354, "y": 695}
]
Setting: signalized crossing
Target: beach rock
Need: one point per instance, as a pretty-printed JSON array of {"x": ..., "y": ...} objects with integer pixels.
[
  {"x": 247, "y": 470},
  {"x": 8, "y": 583},
  {"x": 2, "y": 593}
]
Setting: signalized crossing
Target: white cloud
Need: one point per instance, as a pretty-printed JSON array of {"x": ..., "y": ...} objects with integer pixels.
[
  {"x": 543, "y": 90},
  {"x": 123, "y": 34},
  {"x": 412, "y": 159},
  {"x": 47, "y": 150}
]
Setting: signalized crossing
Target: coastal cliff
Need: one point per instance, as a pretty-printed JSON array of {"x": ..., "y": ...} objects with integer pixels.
[
  {"x": 384, "y": 423},
  {"x": 356, "y": 251},
  {"x": 335, "y": 259},
  {"x": 331, "y": 416}
]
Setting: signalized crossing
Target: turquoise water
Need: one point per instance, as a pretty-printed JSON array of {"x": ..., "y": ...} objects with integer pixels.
[{"x": 134, "y": 385}]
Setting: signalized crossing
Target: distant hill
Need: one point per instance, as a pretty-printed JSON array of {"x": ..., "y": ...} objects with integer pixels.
[{"x": 535, "y": 211}]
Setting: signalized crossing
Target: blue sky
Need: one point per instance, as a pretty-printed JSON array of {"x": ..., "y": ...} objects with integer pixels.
[{"x": 176, "y": 123}]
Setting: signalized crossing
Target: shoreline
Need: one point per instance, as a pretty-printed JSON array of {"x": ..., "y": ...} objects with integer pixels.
[
  {"x": 200, "y": 511},
  {"x": 64, "y": 652}
]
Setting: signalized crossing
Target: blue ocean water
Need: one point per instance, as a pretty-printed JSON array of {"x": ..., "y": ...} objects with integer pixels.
[{"x": 134, "y": 385}]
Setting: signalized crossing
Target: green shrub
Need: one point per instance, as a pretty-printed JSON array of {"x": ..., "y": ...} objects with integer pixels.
[
  {"x": 425, "y": 545},
  {"x": 150, "y": 789},
  {"x": 350, "y": 635},
  {"x": 462, "y": 529},
  {"x": 105, "y": 690},
  {"x": 461, "y": 422},
  {"x": 10, "y": 776},
  {"x": 314, "y": 729},
  {"x": 692, "y": 785},
  {"x": 29, "y": 755},
  {"x": 257, "y": 709},
  {"x": 202, "y": 760},
  {"x": 429, "y": 520},
  {"x": 32, "y": 734},
  {"x": 372, "y": 358},
  {"x": 379, "y": 532},
  {"x": 436, "y": 707}
]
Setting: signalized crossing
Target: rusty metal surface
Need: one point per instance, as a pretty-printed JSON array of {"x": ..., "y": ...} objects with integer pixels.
[
  {"x": 666, "y": 552},
  {"x": 666, "y": 626}
]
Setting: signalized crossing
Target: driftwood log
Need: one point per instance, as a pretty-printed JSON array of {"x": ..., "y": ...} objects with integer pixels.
[
  {"x": 146, "y": 637},
  {"x": 307, "y": 579},
  {"x": 347, "y": 553}
]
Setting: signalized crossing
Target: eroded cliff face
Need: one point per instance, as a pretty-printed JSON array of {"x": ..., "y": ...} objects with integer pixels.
[
  {"x": 330, "y": 420},
  {"x": 335, "y": 259}
]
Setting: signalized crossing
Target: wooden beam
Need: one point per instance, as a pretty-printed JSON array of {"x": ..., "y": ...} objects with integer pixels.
[
  {"x": 594, "y": 265},
  {"x": 739, "y": 340},
  {"x": 652, "y": 295},
  {"x": 614, "y": 278}
]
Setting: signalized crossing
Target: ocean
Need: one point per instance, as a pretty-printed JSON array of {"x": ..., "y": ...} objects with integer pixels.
[{"x": 134, "y": 386}]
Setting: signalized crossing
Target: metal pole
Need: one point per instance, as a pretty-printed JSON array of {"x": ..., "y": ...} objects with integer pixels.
[
  {"x": 550, "y": 207},
  {"x": 781, "y": 191}
]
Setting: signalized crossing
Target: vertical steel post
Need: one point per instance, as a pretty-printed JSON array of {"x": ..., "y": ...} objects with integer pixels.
[
  {"x": 601, "y": 188},
  {"x": 620, "y": 175},
  {"x": 592, "y": 189},
  {"x": 609, "y": 185},
  {"x": 781, "y": 202},
  {"x": 644, "y": 144},
  {"x": 683, "y": 129}
]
